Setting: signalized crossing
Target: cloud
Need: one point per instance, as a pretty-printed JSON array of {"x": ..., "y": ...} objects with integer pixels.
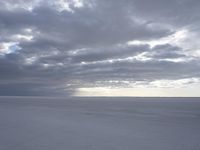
[{"x": 59, "y": 46}]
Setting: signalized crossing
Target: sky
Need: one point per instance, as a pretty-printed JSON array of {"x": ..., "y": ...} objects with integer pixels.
[{"x": 99, "y": 47}]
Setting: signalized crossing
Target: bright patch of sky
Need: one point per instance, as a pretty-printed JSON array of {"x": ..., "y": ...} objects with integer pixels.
[{"x": 9, "y": 47}]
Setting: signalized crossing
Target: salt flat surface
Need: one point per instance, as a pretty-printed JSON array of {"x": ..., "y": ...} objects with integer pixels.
[{"x": 99, "y": 123}]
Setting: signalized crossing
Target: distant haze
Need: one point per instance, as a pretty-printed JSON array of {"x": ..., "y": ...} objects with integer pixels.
[{"x": 100, "y": 47}]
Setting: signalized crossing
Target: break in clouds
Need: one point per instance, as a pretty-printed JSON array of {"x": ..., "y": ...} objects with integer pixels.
[{"x": 50, "y": 47}]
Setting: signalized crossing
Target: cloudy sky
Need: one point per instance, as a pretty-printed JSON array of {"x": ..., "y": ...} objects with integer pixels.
[{"x": 100, "y": 47}]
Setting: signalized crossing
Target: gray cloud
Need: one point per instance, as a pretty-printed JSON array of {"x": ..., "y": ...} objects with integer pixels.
[{"x": 60, "y": 50}]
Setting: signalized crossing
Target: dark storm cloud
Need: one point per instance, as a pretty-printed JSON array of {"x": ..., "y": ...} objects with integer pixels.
[
  {"x": 167, "y": 52},
  {"x": 81, "y": 46},
  {"x": 138, "y": 70},
  {"x": 179, "y": 12}
]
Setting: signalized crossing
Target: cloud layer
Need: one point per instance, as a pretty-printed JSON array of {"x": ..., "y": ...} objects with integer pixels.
[{"x": 55, "y": 47}]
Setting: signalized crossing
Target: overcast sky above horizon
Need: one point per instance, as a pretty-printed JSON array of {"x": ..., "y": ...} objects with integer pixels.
[{"x": 100, "y": 47}]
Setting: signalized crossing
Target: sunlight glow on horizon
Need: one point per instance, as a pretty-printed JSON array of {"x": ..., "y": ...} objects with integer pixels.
[{"x": 138, "y": 92}]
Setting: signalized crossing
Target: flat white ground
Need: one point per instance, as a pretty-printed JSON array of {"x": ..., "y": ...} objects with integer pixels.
[{"x": 99, "y": 123}]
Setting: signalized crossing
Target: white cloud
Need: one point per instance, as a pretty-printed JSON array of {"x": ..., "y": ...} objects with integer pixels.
[
  {"x": 175, "y": 39},
  {"x": 8, "y": 47},
  {"x": 67, "y": 5},
  {"x": 30, "y": 60},
  {"x": 175, "y": 83},
  {"x": 28, "y": 5},
  {"x": 21, "y": 37}
]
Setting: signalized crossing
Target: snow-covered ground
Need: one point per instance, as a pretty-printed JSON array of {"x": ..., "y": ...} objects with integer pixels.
[{"x": 99, "y": 123}]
